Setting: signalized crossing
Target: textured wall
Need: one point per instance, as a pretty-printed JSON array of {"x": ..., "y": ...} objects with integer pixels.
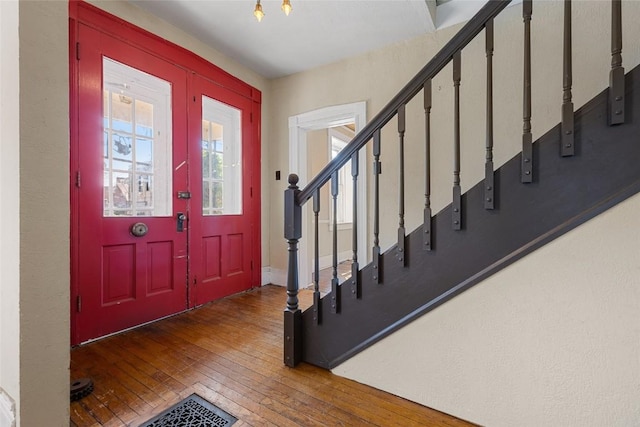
[
  {"x": 44, "y": 214},
  {"x": 552, "y": 340}
]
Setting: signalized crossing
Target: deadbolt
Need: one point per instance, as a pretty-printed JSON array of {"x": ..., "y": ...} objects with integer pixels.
[{"x": 181, "y": 218}]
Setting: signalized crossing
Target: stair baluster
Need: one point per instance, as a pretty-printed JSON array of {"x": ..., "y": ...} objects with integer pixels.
[
  {"x": 456, "y": 205},
  {"x": 527, "y": 141},
  {"x": 427, "y": 242},
  {"x": 355, "y": 267},
  {"x": 316, "y": 257},
  {"x": 377, "y": 170},
  {"x": 488, "y": 166},
  {"x": 335, "y": 282},
  {"x": 616, "y": 75},
  {"x": 567, "y": 127},
  {"x": 400, "y": 249}
]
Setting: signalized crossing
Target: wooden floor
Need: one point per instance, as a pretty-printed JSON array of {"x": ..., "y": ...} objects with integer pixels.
[{"x": 230, "y": 353}]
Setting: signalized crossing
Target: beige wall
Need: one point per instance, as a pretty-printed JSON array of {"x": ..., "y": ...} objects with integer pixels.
[
  {"x": 9, "y": 218},
  {"x": 44, "y": 213},
  {"x": 552, "y": 340}
]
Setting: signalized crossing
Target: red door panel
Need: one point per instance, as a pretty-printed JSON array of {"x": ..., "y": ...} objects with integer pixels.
[{"x": 124, "y": 280}]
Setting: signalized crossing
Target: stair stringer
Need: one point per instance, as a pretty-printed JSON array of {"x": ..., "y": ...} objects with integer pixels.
[{"x": 565, "y": 193}]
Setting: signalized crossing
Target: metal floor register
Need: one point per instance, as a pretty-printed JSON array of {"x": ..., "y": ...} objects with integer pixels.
[{"x": 193, "y": 411}]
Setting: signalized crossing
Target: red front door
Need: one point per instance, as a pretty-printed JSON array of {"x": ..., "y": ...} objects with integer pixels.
[
  {"x": 164, "y": 166},
  {"x": 132, "y": 256},
  {"x": 221, "y": 153}
]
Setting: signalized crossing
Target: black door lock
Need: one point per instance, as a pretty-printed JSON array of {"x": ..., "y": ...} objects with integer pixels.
[{"x": 181, "y": 218}]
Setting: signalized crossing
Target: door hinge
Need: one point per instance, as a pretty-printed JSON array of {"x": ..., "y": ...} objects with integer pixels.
[
  {"x": 78, "y": 179},
  {"x": 251, "y": 191},
  {"x": 78, "y": 51},
  {"x": 78, "y": 303}
]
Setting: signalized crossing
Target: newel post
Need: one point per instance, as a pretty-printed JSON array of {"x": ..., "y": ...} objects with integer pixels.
[{"x": 292, "y": 314}]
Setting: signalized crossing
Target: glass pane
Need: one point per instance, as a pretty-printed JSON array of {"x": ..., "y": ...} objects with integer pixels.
[
  {"x": 144, "y": 154},
  {"x": 121, "y": 191},
  {"x": 121, "y": 145},
  {"x": 217, "y": 195},
  {"x": 206, "y": 126},
  {"x": 144, "y": 119},
  {"x": 137, "y": 142},
  {"x": 121, "y": 112},
  {"x": 206, "y": 199},
  {"x": 105, "y": 141},
  {"x": 205, "y": 160},
  {"x": 107, "y": 199},
  {"x": 216, "y": 166},
  {"x": 221, "y": 159}
]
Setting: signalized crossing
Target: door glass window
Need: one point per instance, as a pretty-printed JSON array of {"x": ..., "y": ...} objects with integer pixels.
[
  {"x": 137, "y": 142},
  {"x": 221, "y": 159}
]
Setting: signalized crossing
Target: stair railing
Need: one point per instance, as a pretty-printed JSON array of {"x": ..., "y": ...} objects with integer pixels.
[{"x": 295, "y": 198}]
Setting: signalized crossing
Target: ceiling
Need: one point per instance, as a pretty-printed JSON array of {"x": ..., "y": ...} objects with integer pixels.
[{"x": 317, "y": 32}]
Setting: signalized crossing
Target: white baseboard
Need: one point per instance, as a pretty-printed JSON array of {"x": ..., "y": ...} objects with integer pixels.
[
  {"x": 7, "y": 410},
  {"x": 277, "y": 277},
  {"x": 266, "y": 276}
]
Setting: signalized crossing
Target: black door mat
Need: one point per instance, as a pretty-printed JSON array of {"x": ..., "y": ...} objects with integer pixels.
[{"x": 193, "y": 411}]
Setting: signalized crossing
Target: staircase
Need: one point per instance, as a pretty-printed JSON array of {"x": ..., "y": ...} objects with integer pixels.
[{"x": 578, "y": 169}]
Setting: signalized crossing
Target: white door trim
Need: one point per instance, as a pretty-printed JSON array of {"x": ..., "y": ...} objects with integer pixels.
[{"x": 324, "y": 118}]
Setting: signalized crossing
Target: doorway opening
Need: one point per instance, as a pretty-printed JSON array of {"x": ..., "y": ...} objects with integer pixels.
[{"x": 302, "y": 130}]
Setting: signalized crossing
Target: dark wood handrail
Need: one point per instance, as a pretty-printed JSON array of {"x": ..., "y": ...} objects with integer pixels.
[{"x": 415, "y": 85}]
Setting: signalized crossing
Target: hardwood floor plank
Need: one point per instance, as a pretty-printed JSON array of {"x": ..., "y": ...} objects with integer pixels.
[
  {"x": 230, "y": 353},
  {"x": 80, "y": 417},
  {"x": 243, "y": 413},
  {"x": 97, "y": 409},
  {"x": 105, "y": 387}
]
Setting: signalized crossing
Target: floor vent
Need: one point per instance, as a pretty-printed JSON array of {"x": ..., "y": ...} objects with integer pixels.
[{"x": 193, "y": 411}]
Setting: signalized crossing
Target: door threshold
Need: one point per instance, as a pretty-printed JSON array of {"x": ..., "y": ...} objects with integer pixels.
[{"x": 131, "y": 328}]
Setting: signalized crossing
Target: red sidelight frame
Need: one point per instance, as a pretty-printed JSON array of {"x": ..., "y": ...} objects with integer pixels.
[{"x": 81, "y": 12}]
